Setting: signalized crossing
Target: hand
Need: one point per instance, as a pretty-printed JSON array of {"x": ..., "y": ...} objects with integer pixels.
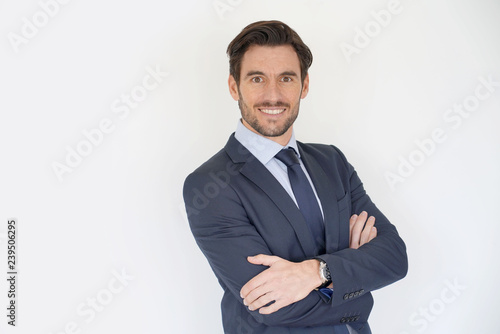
[
  {"x": 284, "y": 282},
  {"x": 357, "y": 234}
]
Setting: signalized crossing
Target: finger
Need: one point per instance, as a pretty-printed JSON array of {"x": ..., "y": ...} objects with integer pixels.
[
  {"x": 357, "y": 229},
  {"x": 261, "y": 278},
  {"x": 352, "y": 221},
  {"x": 254, "y": 295},
  {"x": 253, "y": 284},
  {"x": 262, "y": 259},
  {"x": 365, "y": 235},
  {"x": 373, "y": 233},
  {"x": 261, "y": 301}
]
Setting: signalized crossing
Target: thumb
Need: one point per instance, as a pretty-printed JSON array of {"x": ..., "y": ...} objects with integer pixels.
[{"x": 266, "y": 260}]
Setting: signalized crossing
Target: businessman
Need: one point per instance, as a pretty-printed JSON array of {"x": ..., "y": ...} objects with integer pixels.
[{"x": 288, "y": 229}]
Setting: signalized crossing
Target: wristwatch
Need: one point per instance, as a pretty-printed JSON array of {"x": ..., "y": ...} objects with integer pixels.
[{"x": 324, "y": 273}]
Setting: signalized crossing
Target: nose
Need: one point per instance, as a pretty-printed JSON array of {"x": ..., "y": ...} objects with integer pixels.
[{"x": 272, "y": 92}]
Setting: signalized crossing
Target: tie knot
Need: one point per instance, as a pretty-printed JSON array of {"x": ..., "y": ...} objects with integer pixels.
[{"x": 288, "y": 157}]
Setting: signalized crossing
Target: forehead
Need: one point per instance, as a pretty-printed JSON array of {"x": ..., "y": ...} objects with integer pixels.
[{"x": 270, "y": 59}]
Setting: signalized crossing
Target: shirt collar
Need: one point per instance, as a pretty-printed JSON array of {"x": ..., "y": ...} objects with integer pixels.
[{"x": 262, "y": 148}]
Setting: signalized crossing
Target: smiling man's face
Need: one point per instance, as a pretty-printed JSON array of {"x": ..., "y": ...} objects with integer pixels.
[{"x": 270, "y": 90}]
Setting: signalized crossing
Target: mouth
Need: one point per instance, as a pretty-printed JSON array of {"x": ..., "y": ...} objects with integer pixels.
[{"x": 272, "y": 111}]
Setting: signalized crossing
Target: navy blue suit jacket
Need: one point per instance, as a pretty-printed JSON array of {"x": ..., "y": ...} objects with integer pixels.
[{"x": 236, "y": 208}]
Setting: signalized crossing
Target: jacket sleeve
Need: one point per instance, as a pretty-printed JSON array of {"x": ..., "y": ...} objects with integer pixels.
[
  {"x": 374, "y": 265},
  {"x": 226, "y": 237}
]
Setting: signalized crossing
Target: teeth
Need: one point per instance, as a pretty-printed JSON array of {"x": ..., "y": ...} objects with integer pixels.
[{"x": 272, "y": 111}]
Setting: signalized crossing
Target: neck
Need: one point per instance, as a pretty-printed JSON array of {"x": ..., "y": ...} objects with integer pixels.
[{"x": 282, "y": 140}]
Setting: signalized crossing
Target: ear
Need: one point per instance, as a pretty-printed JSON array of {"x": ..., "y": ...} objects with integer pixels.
[
  {"x": 305, "y": 87},
  {"x": 233, "y": 88}
]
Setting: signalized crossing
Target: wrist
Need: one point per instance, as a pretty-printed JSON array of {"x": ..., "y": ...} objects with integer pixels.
[{"x": 314, "y": 278}]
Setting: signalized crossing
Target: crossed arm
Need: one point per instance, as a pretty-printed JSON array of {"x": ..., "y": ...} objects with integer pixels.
[
  {"x": 285, "y": 282},
  {"x": 224, "y": 230}
]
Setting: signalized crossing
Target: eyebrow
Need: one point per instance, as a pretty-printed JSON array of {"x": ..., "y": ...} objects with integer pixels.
[{"x": 287, "y": 73}]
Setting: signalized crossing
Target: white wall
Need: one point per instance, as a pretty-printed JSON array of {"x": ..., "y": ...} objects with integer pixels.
[{"x": 120, "y": 208}]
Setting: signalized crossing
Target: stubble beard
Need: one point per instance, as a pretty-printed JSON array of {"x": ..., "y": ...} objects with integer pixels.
[{"x": 271, "y": 129}]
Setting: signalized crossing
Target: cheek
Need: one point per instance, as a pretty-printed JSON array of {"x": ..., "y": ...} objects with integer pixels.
[
  {"x": 294, "y": 96},
  {"x": 252, "y": 97}
]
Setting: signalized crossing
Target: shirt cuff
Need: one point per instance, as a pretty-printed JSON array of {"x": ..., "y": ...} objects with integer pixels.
[{"x": 328, "y": 292}]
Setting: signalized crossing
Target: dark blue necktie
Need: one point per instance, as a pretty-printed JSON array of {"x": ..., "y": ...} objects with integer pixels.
[{"x": 304, "y": 194}]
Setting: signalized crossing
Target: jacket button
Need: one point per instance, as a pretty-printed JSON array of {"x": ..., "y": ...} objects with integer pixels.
[
  {"x": 343, "y": 320},
  {"x": 346, "y": 296},
  {"x": 351, "y": 295}
]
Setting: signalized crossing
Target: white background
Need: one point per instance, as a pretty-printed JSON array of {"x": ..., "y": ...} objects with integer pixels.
[{"x": 120, "y": 209}]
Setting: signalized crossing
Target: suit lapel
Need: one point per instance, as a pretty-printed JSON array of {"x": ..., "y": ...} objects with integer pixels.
[{"x": 257, "y": 173}]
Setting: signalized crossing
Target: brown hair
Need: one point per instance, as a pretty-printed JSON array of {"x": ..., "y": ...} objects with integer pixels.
[{"x": 272, "y": 33}]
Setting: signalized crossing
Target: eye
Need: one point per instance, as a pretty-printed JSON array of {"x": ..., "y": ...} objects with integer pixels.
[
  {"x": 286, "y": 79},
  {"x": 257, "y": 79}
]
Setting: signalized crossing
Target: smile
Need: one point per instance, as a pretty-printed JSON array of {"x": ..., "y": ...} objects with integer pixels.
[{"x": 272, "y": 111}]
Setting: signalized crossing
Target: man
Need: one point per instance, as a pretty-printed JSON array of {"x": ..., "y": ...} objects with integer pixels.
[{"x": 273, "y": 215}]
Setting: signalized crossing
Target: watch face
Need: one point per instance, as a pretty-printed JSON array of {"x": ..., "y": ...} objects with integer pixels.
[{"x": 325, "y": 272}]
